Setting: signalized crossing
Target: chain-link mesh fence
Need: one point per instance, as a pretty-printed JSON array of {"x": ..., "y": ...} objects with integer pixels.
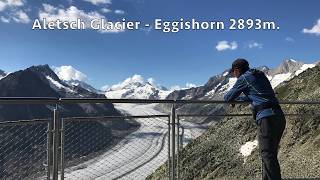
[
  {"x": 23, "y": 149},
  {"x": 114, "y": 148}
]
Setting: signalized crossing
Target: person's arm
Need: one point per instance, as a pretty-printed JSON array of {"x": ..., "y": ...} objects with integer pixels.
[{"x": 236, "y": 90}]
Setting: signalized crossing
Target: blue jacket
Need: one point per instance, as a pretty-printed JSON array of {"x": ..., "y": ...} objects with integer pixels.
[{"x": 257, "y": 89}]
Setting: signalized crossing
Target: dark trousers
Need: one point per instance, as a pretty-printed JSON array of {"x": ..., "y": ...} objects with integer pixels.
[{"x": 269, "y": 133}]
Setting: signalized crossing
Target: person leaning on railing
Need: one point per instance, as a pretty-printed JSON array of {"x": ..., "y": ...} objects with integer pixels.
[{"x": 266, "y": 109}]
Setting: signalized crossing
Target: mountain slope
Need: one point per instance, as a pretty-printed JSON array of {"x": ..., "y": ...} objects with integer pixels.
[
  {"x": 286, "y": 71},
  {"x": 219, "y": 84},
  {"x": 41, "y": 81},
  {"x": 25, "y": 144},
  {"x": 84, "y": 85},
  {"x": 217, "y": 153}
]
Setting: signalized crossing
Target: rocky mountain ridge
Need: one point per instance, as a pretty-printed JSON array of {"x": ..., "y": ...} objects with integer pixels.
[{"x": 217, "y": 154}]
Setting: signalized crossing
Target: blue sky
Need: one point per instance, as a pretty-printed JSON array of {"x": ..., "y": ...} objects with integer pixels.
[{"x": 170, "y": 58}]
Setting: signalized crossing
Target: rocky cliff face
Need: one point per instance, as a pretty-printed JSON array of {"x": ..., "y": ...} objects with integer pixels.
[{"x": 221, "y": 152}]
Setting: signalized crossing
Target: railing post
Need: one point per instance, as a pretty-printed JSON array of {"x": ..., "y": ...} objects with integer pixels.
[
  {"x": 55, "y": 143},
  {"x": 49, "y": 150},
  {"x": 178, "y": 147},
  {"x": 181, "y": 136},
  {"x": 169, "y": 157},
  {"x": 173, "y": 141},
  {"x": 62, "y": 133}
]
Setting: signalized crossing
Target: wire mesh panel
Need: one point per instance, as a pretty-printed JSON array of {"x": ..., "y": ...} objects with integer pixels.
[
  {"x": 23, "y": 150},
  {"x": 115, "y": 148},
  {"x": 189, "y": 130}
]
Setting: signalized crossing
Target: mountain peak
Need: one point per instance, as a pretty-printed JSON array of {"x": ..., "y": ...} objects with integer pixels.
[
  {"x": 40, "y": 68},
  {"x": 287, "y": 66},
  {"x": 44, "y": 70},
  {"x": 290, "y": 61},
  {"x": 137, "y": 87}
]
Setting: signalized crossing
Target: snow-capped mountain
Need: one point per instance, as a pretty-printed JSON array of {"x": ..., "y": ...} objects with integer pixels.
[
  {"x": 218, "y": 85},
  {"x": 74, "y": 77},
  {"x": 136, "y": 87},
  {"x": 41, "y": 81},
  {"x": 287, "y": 70}
]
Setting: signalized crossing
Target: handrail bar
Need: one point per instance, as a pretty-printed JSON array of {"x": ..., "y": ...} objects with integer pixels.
[
  {"x": 240, "y": 115},
  {"x": 53, "y": 100},
  {"x": 23, "y": 122}
]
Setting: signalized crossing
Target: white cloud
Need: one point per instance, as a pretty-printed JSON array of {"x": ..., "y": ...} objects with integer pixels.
[
  {"x": 97, "y": 2},
  {"x": 131, "y": 80},
  {"x": 289, "y": 39},
  {"x": 177, "y": 87},
  {"x": 152, "y": 81},
  {"x": 68, "y": 73},
  {"x": 51, "y": 13},
  {"x": 4, "y": 4},
  {"x": 105, "y": 10},
  {"x": 254, "y": 44},
  {"x": 118, "y": 11},
  {"x": 225, "y": 45},
  {"x": 15, "y": 2},
  {"x": 5, "y": 20},
  {"x": 14, "y": 13},
  {"x": 18, "y": 16},
  {"x": 105, "y": 87},
  {"x": 48, "y": 9},
  {"x": 190, "y": 85},
  {"x": 21, "y": 17},
  {"x": 314, "y": 30}
]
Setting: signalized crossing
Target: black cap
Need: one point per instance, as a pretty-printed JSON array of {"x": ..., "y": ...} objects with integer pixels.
[{"x": 240, "y": 64}]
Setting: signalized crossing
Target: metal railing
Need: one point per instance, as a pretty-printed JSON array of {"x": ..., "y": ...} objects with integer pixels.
[{"x": 56, "y": 128}]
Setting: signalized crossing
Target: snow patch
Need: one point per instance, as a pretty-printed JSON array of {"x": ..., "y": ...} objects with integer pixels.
[
  {"x": 304, "y": 67},
  {"x": 226, "y": 73},
  {"x": 248, "y": 147},
  {"x": 228, "y": 86},
  {"x": 279, "y": 78},
  {"x": 213, "y": 91},
  {"x": 164, "y": 94},
  {"x": 56, "y": 85}
]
